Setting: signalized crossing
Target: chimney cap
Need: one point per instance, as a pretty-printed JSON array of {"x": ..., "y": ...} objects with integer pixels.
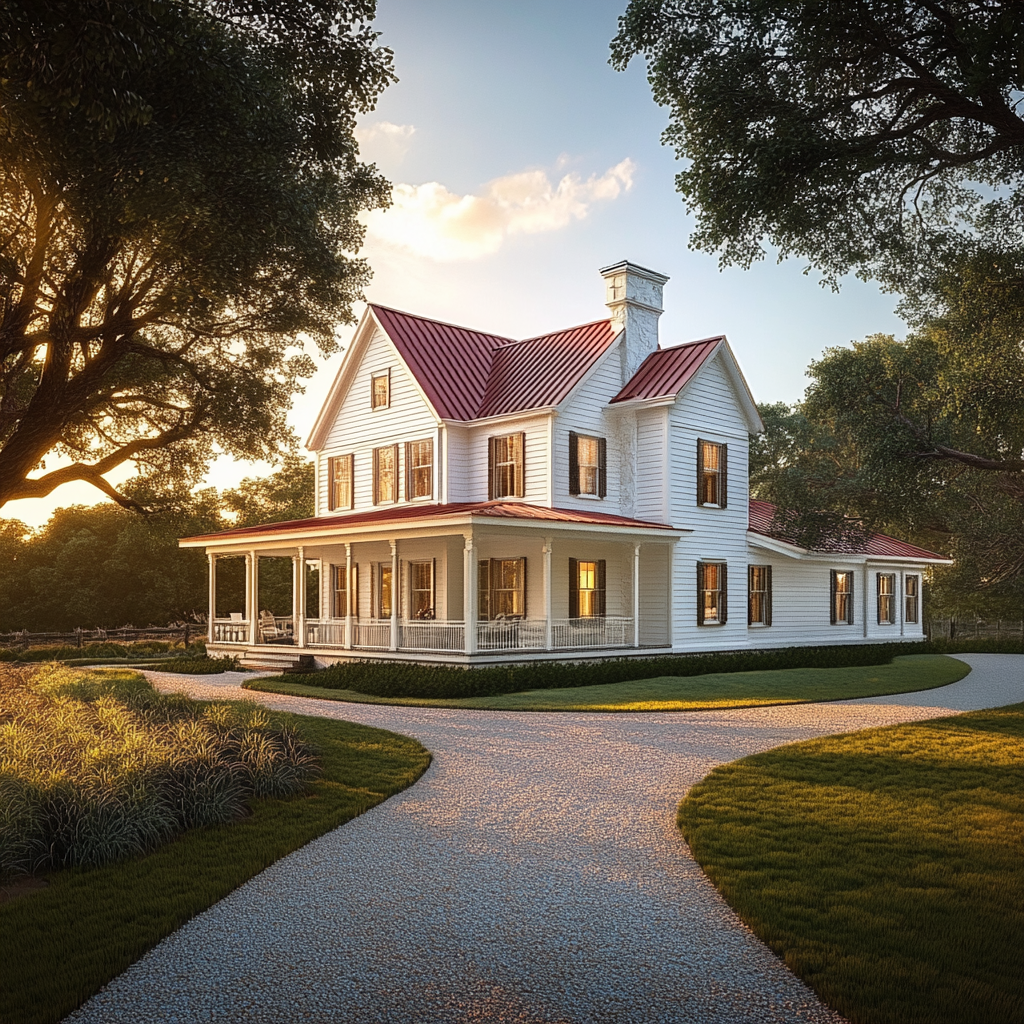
[{"x": 625, "y": 267}]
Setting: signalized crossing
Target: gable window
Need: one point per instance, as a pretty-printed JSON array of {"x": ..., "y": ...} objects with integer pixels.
[
  {"x": 419, "y": 469},
  {"x": 384, "y": 591},
  {"x": 380, "y": 390},
  {"x": 421, "y": 590},
  {"x": 842, "y": 598},
  {"x": 759, "y": 595},
  {"x": 505, "y": 466},
  {"x": 886, "y": 594},
  {"x": 588, "y": 465},
  {"x": 385, "y": 471},
  {"x": 587, "y": 588},
  {"x": 501, "y": 588},
  {"x": 712, "y": 595},
  {"x": 339, "y": 482},
  {"x": 712, "y": 470},
  {"x": 912, "y": 596}
]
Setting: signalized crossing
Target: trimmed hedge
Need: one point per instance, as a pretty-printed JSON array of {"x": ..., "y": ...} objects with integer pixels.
[
  {"x": 98, "y": 650},
  {"x": 201, "y": 666},
  {"x": 388, "y": 679}
]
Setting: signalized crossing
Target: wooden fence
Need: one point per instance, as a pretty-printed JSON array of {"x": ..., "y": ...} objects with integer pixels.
[
  {"x": 963, "y": 628},
  {"x": 184, "y": 631}
]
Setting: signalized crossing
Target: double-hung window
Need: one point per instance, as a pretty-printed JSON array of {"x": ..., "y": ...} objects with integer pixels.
[
  {"x": 885, "y": 592},
  {"x": 385, "y": 474},
  {"x": 340, "y": 590},
  {"x": 502, "y": 588},
  {"x": 587, "y": 588},
  {"x": 421, "y": 589},
  {"x": 911, "y": 598},
  {"x": 712, "y": 593},
  {"x": 380, "y": 390},
  {"x": 506, "y": 471},
  {"x": 759, "y": 595},
  {"x": 339, "y": 482},
  {"x": 588, "y": 465},
  {"x": 841, "y": 598},
  {"x": 384, "y": 591},
  {"x": 419, "y": 469},
  {"x": 712, "y": 473}
]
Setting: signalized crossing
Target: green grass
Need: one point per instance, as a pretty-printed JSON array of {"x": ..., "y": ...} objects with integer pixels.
[
  {"x": 885, "y": 866},
  {"x": 63, "y": 943},
  {"x": 681, "y": 693}
]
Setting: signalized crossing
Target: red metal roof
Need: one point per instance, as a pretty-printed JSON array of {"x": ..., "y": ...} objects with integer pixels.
[
  {"x": 667, "y": 371},
  {"x": 412, "y": 513},
  {"x": 468, "y": 374},
  {"x": 762, "y": 520}
]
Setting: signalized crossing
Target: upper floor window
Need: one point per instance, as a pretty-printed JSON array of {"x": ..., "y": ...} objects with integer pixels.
[
  {"x": 759, "y": 595},
  {"x": 886, "y": 594},
  {"x": 339, "y": 482},
  {"x": 385, "y": 472},
  {"x": 587, "y": 588},
  {"x": 501, "y": 588},
  {"x": 588, "y": 465},
  {"x": 712, "y": 468},
  {"x": 506, "y": 472},
  {"x": 842, "y": 598},
  {"x": 912, "y": 595},
  {"x": 712, "y": 593},
  {"x": 419, "y": 469},
  {"x": 380, "y": 390}
]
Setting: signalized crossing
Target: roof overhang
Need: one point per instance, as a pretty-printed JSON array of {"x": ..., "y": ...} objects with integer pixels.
[{"x": 759, "y": 540}]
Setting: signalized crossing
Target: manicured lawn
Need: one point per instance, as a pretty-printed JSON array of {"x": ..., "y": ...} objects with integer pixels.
[
  {"x": 60, "y": 945},
  {"x": 884, "y": 866},
  {"x": 682, "y": 693}
]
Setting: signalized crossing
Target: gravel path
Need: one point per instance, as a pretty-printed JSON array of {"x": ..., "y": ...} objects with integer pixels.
[{"x": 534, "y": 874}]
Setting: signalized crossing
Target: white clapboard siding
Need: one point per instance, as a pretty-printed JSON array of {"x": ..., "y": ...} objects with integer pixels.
[
  {"x": 651, "y": 466},
  {"x": 655, "y": 560},
  {"x": 536, "y": 457}
]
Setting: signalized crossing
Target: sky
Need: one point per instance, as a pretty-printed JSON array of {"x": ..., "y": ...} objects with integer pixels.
[{"x": 522, "y": 163}]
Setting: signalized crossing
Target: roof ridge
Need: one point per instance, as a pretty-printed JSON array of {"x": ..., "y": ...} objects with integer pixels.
[
  {"x": 441, "y": 323},
  {"x": 562, "y": 330}
]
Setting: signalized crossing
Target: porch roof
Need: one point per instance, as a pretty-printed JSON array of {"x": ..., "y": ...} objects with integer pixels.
[{"x": 452, "y": 513}]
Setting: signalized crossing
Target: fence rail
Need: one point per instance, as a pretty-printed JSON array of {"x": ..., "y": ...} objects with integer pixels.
[
  {"x": 184, "y": 631},
  {"x": 953, "y": 627}
]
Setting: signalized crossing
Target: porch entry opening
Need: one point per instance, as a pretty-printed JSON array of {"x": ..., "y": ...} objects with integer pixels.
[{"x": 502, "y": 588}]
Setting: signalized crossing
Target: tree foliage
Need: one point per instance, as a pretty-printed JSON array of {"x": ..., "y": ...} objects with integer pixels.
[{"x": 179, "y": 188}]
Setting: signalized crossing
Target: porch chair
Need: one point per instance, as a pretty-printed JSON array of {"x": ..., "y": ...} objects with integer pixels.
[{"x": 269, "y": 633}]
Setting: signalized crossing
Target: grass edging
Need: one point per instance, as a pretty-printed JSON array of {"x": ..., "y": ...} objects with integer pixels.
[
  {"x": 882, "y": 866},
  {"x": 711, "y": 692},
  {"x": 65, "y": 942}
]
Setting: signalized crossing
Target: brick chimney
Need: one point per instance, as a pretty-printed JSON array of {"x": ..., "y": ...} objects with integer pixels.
[{"x": 633, "y": 294}]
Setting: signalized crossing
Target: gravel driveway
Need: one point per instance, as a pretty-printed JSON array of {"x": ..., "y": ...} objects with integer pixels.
[{"x": 534, "y": 874}]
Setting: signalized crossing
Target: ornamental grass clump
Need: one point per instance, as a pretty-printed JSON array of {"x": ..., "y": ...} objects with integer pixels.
[{"x": 96, "y": 766}]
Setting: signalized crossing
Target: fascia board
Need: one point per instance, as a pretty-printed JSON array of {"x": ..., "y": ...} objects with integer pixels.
[
  {"x": 759, "y": 540},
  {"x": 755, "y": 425},
  {"x": 507, "y": 417}
]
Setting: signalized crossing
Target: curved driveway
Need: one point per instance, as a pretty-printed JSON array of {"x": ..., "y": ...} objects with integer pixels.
[{"x": 534, "y": 874}]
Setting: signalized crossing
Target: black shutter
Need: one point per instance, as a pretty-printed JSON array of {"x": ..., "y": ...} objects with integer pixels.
[
  {"x": 700, "y": 471},
  {"x": 491, "y": 442},
  {"x": 354, "y": 591},
  {"x": 523, "y": 578},
  {"x": 832, "y": 598},
  {"x": 574, "y": 588},
  {"x": 574, "y": 463},
  {"x": 520, "y": 467},
  {"x": 723, "y": 594},
  {"x": 330, "y": 485},
  {"x": 750, "y": 595},
  {"x": 483, "y": 590},
  {"x": 601, "y": 585},
  {"x": 723, "y": 473},
  {"x": 700, "y": 592},
  {"x": 768, "y": 595},
  {"x": 878, "y": 598},
  {"x": 849, "y": 602},
  {"x": 602, "y": 467}
]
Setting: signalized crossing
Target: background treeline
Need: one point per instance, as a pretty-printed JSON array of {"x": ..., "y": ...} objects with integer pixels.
[{"x": 104, "y": 566}]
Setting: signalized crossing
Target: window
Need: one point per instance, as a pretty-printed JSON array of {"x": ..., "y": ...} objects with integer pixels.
[
  {"x": 587, "y": 589},
  {"x": 712, "y": 603},
  {"x": 588, "y": 465},
  {"x": 912, "y": 593},
  {"x": 384, "y": 591},
  {"x": 421, "y": 590},
  {"x": 385, "y": 466},
  {"x": 339, "y": 482},
  {"x": 842, "y": 598},
  {"x": 505, "y": 466},
  {"x": 339, "y": 603},
  {"x": 759, "y": 595},
  {"x": 502, "y": 588},
  {"x": 886, "y": 593},
  {"x": 380, "y": 390},
  {"x": 419, "y": 469},
  {"x": 712, "y": 469}
]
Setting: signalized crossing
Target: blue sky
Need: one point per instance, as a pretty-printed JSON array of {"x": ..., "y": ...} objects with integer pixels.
[{"x": 522, "y": 163}]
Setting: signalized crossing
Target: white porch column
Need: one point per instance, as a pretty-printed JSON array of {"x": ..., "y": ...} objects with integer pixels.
[
  {"x": 212, "y": 559},
  {"x": 636, "y": 594},
  {"x": 350, "y": 596},
  {"x": 395, "y": 591},
  {"x": 251, "y": 597},
  {"x": 470, "y": 579},
  {"x": 299, "y": 598},
  {"x": 548, "y": 630}
]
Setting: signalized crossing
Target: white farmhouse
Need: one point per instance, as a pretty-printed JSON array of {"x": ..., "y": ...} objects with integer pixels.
[{"x": 582, "y": 493}]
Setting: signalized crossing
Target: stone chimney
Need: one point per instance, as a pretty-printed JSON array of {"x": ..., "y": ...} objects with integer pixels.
[{"x": 633, "y": 294}]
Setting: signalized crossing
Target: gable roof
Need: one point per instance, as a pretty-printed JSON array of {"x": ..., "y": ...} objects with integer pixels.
[
  {"x": 666, "y": 372},
  {"x": 762, "y": 521}
]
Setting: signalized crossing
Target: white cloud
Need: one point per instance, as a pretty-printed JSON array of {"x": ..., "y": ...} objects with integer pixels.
[
  {"x": 428, "y": 220},
  {"x": 384, "y": 143}
]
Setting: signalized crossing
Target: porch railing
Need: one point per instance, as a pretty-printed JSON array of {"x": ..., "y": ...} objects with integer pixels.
[
  {"x": 230, "y": 631},
  {"x": 599, "y": 631},
  {"x": 372, "y": 633},
  {"x": 432, "y": 635},
  {"x": 510, "y": 635}
]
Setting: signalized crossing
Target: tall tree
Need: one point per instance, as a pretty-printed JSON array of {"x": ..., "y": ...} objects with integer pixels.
[{"x": 179, "y": 190}]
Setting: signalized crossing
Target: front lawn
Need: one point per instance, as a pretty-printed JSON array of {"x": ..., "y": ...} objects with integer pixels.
[
  {"x": 681, "y": 693},
  {"x": 885, "y": 866},
  {"x": 62, "y": 943}
]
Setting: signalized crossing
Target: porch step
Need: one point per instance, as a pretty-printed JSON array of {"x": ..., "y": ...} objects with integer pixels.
[{"x": 283, "y": 661}]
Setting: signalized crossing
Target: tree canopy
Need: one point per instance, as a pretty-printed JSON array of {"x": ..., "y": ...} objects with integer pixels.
[{"x": 179, "y": 191}]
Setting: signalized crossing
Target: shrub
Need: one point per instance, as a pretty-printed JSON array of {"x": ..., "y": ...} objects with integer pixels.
[
  {"x": 201, "y": 666},
  {"x": 96, "y": 766},
  {"x": 99, "y": 650}
]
